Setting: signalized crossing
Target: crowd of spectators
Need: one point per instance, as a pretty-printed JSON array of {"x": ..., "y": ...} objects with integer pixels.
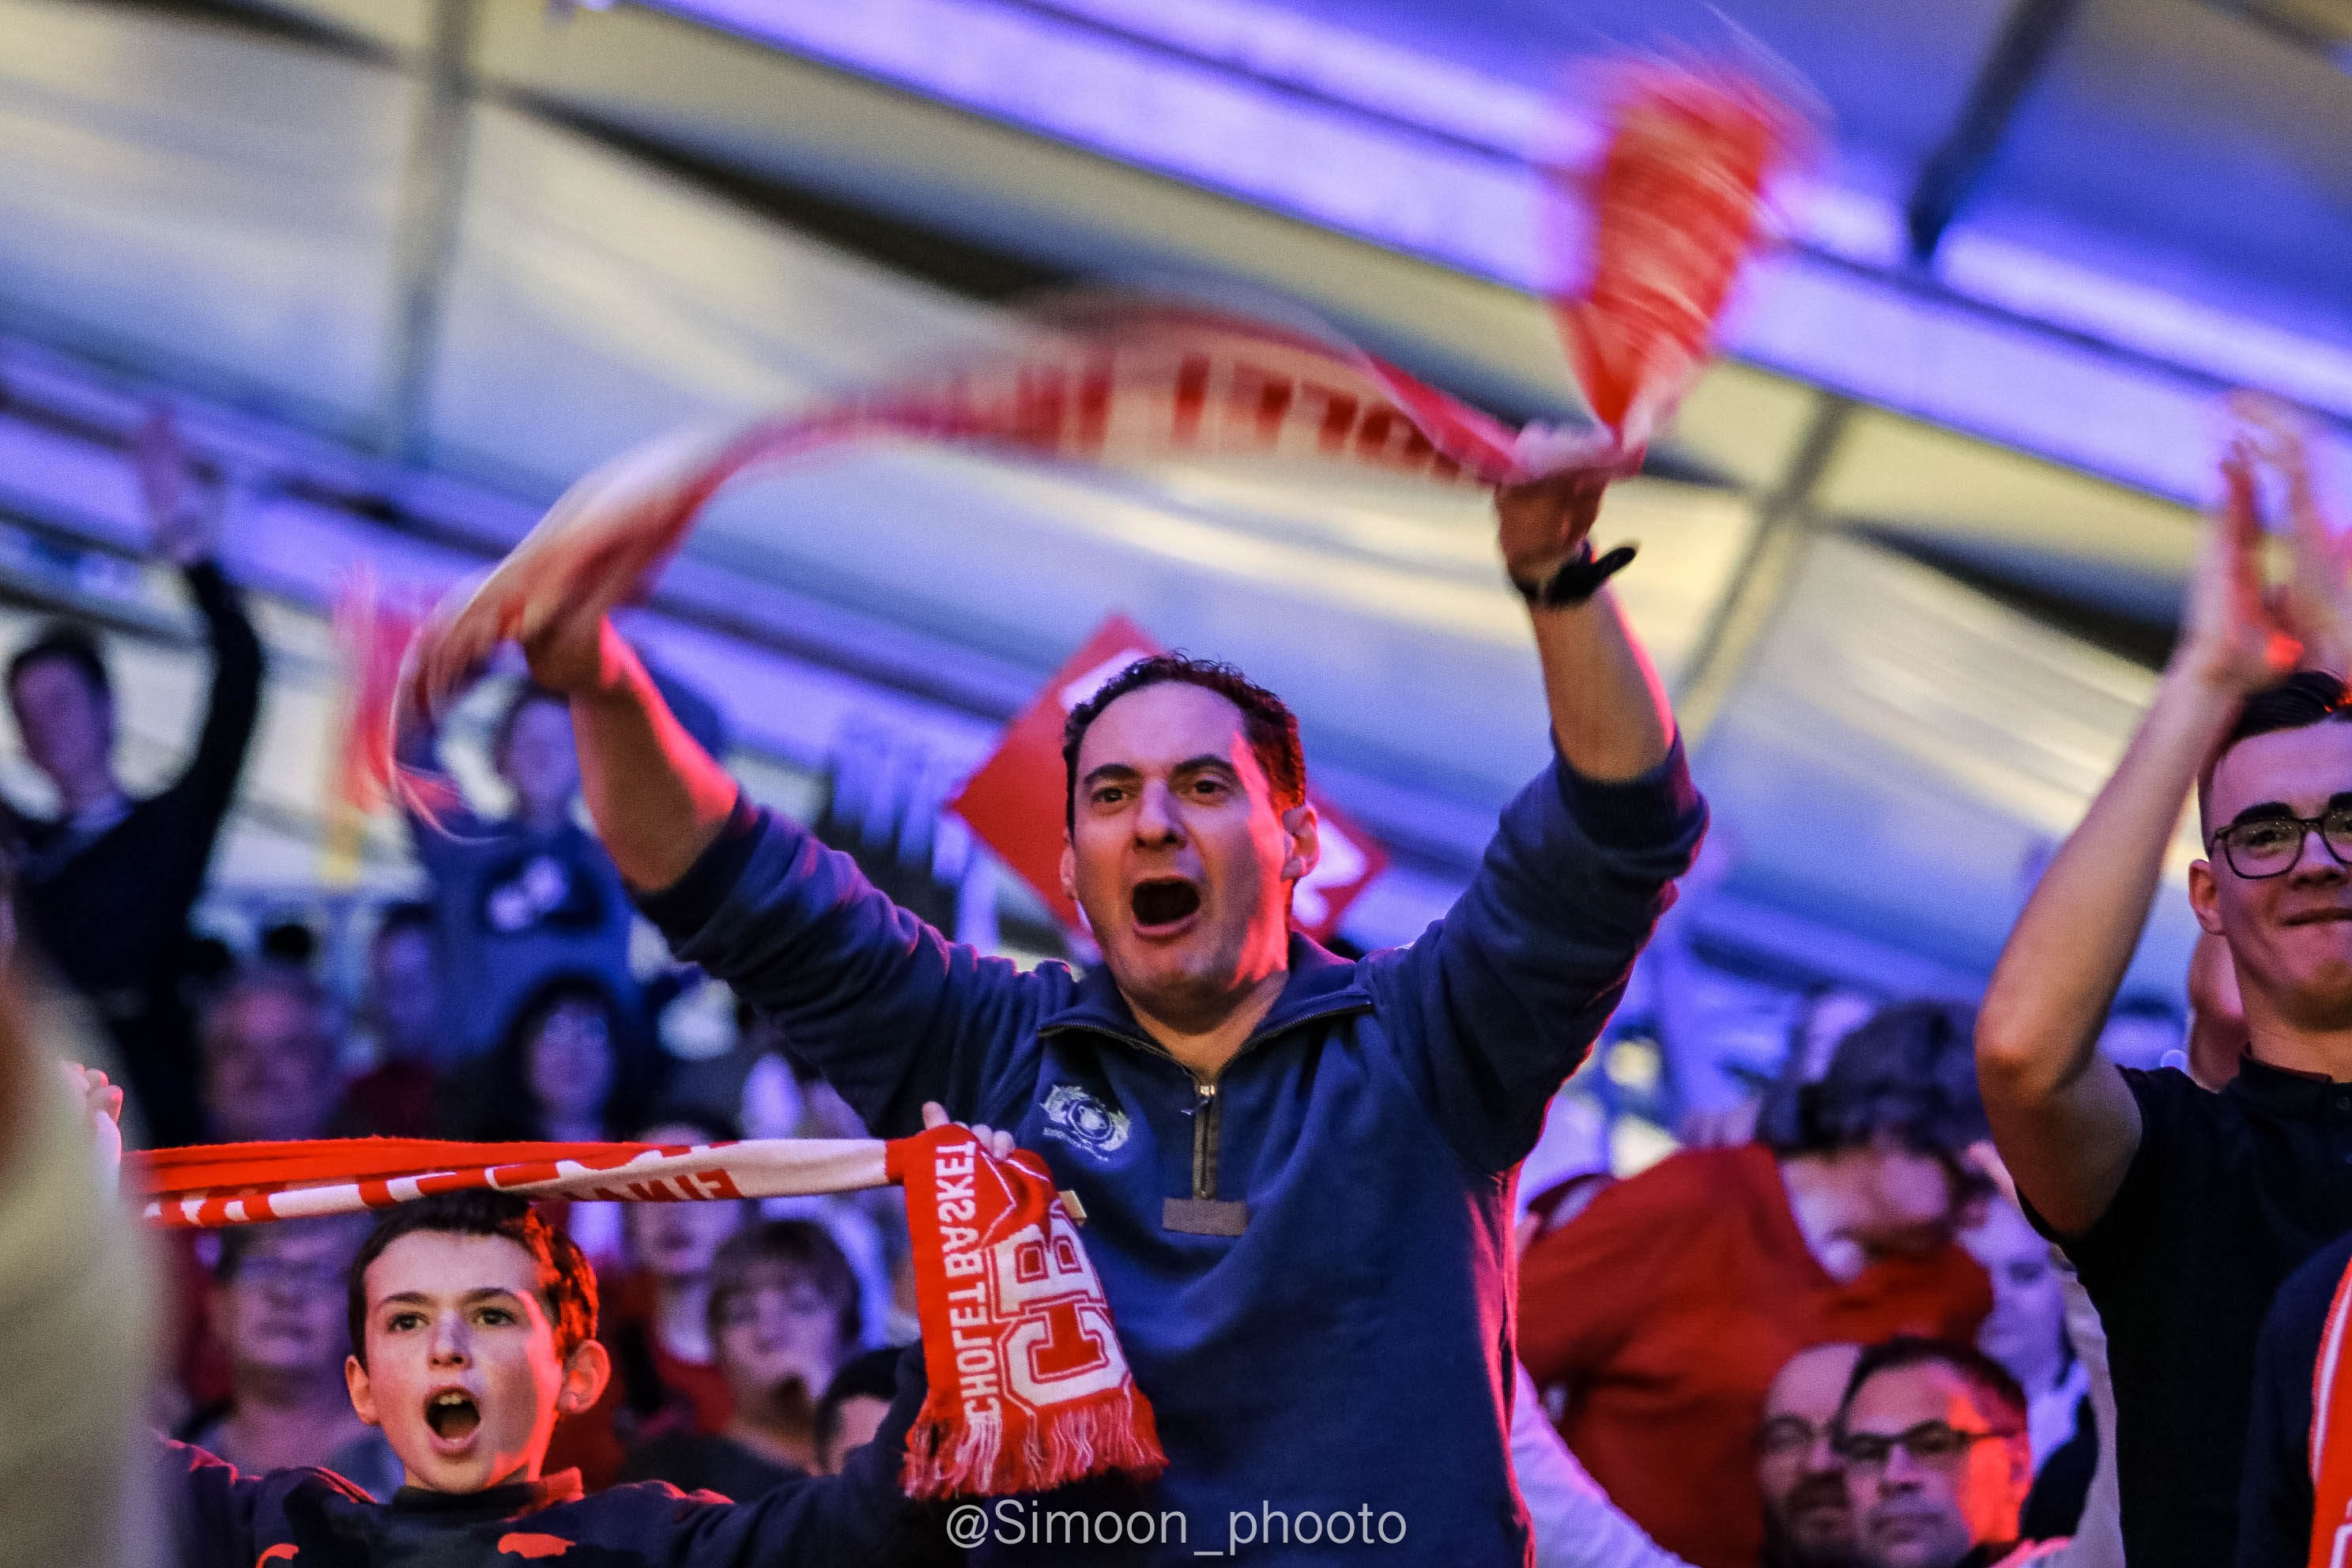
[{"x": 1829, "y": 1332}]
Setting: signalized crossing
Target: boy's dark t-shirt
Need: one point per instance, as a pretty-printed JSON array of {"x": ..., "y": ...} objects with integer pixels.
[
  {"x": 223, "y": 1520},
  {"x": 2227, "y": 1194}
]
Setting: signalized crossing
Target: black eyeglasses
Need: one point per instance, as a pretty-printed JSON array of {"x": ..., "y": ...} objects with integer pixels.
[
  {"x": 2269, "y": 846},
  {"x": 1929, "y": 1443}
]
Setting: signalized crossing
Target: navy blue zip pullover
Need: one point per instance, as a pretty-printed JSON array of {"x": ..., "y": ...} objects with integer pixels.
[{"x": 1309, "y": 1257}]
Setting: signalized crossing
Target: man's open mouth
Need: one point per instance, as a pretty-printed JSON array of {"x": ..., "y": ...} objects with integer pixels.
[
  {"x": 1163, "y": 901},
  {"x": 452, "y": 1415}
]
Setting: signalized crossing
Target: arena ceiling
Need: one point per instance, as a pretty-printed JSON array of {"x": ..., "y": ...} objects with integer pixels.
[{"x": 1910, "y": 553}]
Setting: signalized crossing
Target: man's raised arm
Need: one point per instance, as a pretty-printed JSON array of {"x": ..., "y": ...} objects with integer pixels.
[
  {"x": 2066, "y": 1122},
  {"x": 1609, "y": 711}
]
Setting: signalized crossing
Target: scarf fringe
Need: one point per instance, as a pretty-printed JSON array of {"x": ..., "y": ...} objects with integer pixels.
[{"x": 964, "y": 1454}]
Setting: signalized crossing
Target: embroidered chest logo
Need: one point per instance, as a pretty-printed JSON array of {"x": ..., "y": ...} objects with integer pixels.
[{"x": 1081, "y": 1121}]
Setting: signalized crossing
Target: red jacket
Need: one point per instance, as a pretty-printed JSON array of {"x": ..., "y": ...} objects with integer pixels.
[{"x": 1668, "y": 1307}]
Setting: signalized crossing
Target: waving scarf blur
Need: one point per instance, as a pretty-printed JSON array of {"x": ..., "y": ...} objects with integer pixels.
[
  {"x": 1674, "y": 209},
  {"x": 1029, "y": 1387}
]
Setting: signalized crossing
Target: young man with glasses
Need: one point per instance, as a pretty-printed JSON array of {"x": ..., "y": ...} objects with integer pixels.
[
  {"x": 2183, "y": 1209},
  {"x": 1937, "y": 1459}
]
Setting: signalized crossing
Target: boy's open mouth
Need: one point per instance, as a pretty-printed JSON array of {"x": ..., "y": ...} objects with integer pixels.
[
  {"x": 452, "y": 1415},
  {"x": 1164, "y": 902}
]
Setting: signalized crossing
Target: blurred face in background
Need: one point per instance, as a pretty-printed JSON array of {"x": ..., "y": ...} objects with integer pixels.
[
  {"x": 1909, "y": 1202},
  {"x": 2026, "y": 1331},
  {"x": 404, "y": 984},
  {"x": 1808, "y": 1519},
  {"x": 538, "y": 759},
  {"x": 282, "y": 1310},
  {"x": 778, "y": 1339},
  {"x": 66, "y": 723},
  {"x": 676, "y": 1241},
  {"x": 571, "y": 1063},
  {"x": 269, "y": 1064}
]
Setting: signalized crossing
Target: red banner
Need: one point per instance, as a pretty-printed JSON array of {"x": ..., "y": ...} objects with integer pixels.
[{"x": 1015, "y": 801}]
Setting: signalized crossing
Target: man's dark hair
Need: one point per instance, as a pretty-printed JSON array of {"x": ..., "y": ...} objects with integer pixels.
[
  {"x": 2307, "y": 697},
  {"x": 799, "y": 1246},
  {"x": 1986, "y": 1377},
  {"x": 567, "y": 1285},
  {"x": 1909, "y": 1073},
  {"x": 73, "y": 644},
  {"x": 1267, "y": 721},
  {"x": 874, "y": 1376}
]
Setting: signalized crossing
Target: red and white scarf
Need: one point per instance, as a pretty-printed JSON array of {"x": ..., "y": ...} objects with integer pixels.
[
  {"x": 1029, "y": 1387},
  {"x": 1672, "y": 212}
]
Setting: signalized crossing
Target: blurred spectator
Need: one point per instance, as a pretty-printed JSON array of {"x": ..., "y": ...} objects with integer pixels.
[
  {"x": 269, "y": 1058},
  {"x": 393, "y": 1098},
  {"x": 570, "y": 1070},
  {"x": 1666, "y": 1308},
  {"x": 1808, "y": 1517},
  {"x": 783, "y": 1317},
  {"x": 1933, "y": 1437},
  {"x": 279, "y": 1307},
  {"x": 106, "y": 885},
  {"x": 656, "y": 1324},
  {"x": 853, "y": 1408},
  {"x": 520, "y": 898},
  {"x": 2217, "y": 1015},
  {"x": 2026, "y": 1334},
  {"x": 2145, "y": 1032},
  {"x": 1825, "y": 1017}
]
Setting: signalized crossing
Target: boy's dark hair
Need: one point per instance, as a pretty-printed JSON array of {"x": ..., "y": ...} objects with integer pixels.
[
  {"x": 801, "y": 1246},
  {"x": 873, "y": 1375},
  {"x": 1990, "y": 1379},
  {"x": 73, "y": 644},
  {"x": 567, "y": 1285},
  {"x": 1266, "y": 721},
  {"x": 1909, "y": 1071},
  {"x": 2307, "y": 697}
]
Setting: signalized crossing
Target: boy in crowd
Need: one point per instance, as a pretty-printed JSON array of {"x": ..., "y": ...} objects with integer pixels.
[
  {"x": 782, "y": 1314},
  {"x": 472, "y": 1327}
]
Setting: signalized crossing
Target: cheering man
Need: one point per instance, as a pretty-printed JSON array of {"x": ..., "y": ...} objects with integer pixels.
[
  {"x": 1298, "y": 1170},
  {"x": 2183, "y": 1209}
]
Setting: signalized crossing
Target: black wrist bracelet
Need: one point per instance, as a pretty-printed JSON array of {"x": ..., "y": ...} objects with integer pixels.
[{"x": 1577, "y": 580}]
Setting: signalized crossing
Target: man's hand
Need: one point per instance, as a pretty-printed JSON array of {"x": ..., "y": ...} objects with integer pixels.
[
  {"x": 2316, "y": 604},
  {"x": 182, "y": 521},
  {"x": 102, "y": 1102},
  {"x": 1543, "y": 521},
  {"x": 998, "y": 1145},
  {"x": 2235, "y": 637}
]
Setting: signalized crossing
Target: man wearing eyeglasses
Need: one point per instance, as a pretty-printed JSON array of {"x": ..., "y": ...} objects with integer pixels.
[
  {"x": 1938, "y": 1461},
  {"x": 1808, "y": 1515},
  {"x": 2183, "y": 1209}
]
